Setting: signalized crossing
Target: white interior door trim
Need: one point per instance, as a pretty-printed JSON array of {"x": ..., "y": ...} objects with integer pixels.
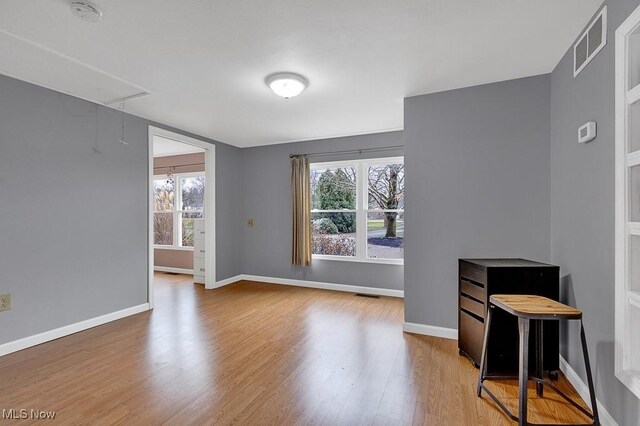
[{"x": 209, "y": 205}]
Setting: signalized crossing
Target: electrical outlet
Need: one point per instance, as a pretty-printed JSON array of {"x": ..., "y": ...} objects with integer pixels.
[
  {"x": 5, "y": 302},
  {"x": 250, "y": 222}
]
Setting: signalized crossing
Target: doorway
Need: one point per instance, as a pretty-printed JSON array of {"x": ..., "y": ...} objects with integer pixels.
[{"x": 181, "y": 207}]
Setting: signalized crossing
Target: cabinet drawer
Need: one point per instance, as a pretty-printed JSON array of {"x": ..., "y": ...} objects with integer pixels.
[
  {"x": 198, "y": 279},
  {"x": 471, "y": 335},
  {"x": 472, "y": 289},
  {"x": 472, "y": 306},
  {"x": 473, "y": 272}
]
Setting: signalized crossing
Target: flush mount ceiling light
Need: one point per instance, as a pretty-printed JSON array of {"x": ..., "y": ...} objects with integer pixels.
[
  {"x": 286, "y": 84},
  {"x": 86, "y": 10}
]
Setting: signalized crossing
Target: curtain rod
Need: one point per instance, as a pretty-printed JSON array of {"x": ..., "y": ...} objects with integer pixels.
[{"x": 351, "y": 151}]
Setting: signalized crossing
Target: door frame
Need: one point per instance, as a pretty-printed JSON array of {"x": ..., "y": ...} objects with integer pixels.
[{"x": 209, "y": 205}]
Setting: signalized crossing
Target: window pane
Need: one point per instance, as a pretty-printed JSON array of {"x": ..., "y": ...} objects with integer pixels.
[
  {"x": 634, "y": 263},
  {"x": 163, "y": 229},
  {"x": 188, "y": 227},
  {"x": 634, "y": 127},
  {"x": 334, "y": 234},
  {"x": 634, "y": 59},
  {"x": 192, "y": 192},
  {"x": 163, "y": 194},
  {"x": 633, "y": 361},
  {"x": 333, "y": 189},
  {"x": 634, "y": 194},
  {"x": 385, "y": 235},
  {"x": 386, "y": 186}
]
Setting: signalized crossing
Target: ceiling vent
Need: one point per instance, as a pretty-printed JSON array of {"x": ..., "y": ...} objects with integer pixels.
[{"x": 590, "y": 42}]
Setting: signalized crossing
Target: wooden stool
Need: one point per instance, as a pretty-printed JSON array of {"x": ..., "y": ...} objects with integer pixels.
[{"x": 536, "y": 308}]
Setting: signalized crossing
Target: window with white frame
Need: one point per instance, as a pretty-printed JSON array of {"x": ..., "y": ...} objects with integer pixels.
[
  {"x": 178, "y": 200},
  {"x": 357, "y": 210},
  {"x": 627, "y": 183}
]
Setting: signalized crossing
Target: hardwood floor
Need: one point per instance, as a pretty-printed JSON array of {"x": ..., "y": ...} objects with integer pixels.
[{"x": 255, "y": 353}]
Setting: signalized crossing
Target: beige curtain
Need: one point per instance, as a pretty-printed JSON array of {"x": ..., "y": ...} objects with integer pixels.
[{"x": 301, "y": 200}]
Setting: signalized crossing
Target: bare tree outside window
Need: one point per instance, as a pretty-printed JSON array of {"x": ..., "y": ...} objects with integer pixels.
[{"x": 386, "y": 192}]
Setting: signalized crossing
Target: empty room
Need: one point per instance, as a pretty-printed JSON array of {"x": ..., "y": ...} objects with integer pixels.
[{"x": 297, "y": 212}]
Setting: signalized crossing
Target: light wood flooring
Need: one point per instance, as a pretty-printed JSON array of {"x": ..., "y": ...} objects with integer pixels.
[{"x": 263, "y": 354}]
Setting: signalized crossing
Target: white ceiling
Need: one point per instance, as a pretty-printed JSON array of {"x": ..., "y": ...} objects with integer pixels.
[
  {"x": 163, "y": 147},
  {"x": 205, "y": 60}
]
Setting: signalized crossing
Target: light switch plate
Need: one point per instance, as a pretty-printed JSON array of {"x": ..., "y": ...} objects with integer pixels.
[{"x": 5, "y": 302}]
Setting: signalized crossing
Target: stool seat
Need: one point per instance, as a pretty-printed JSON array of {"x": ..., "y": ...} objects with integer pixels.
[{"x": 534, "y": 307}]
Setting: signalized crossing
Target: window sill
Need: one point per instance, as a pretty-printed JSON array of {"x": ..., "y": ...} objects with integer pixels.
[
  {"x": 173, "y": 248},
  {"x": 323, "y": 257}
]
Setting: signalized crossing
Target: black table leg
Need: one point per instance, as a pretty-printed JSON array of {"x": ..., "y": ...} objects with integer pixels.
[
  {"x": 523, "y": 326},
  {"x": 587, "y": 364},
  {"x": 483, "y": 359},
  {"x": 539, "y": 358}
]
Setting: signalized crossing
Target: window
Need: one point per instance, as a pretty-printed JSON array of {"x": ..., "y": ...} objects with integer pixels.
[
  {"x": 627, "y": 189},
  {"x": 178, "y": 200},
  {"x": 357, "y": 210}
]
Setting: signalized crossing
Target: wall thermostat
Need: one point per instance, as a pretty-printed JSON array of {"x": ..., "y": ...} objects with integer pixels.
[{"x": 587, "y": 132}]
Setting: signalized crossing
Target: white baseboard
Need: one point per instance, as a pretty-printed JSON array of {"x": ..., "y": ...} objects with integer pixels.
[
  {"x": 326, "y": 286},
  {"x": 430, "y": 330},
  {"x": 174, "y": 270},
  {"x": 583, "y": 390},
  {"x": 27, "y": 342},
  {"x": 228, "y": 281}
]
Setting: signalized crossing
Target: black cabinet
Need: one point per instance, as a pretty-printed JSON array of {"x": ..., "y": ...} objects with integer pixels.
[{"x": 479, "y": 279}]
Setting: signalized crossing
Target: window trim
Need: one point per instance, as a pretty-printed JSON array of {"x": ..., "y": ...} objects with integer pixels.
[
  {"x": 177, "y": 214},
  {"x": 361, "y": 210}
]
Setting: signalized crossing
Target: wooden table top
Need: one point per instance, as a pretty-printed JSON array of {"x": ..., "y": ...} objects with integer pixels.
[{"x": 534, "y": 307}]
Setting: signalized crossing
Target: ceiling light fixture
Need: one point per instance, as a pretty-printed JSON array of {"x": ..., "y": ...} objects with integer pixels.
[
  {"x": 86, "y": 10},
  {"x": 286, "y": 84}
]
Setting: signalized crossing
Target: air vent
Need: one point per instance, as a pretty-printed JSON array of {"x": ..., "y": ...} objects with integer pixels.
[{"x": 590, "y": 42}]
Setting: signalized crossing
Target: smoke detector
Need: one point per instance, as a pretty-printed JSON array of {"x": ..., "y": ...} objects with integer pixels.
[{"x": 86, "y": 10}]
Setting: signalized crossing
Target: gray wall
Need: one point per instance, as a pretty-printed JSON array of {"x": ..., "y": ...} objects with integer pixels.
[
  {"x": 58, "y": 197},
  {"x": 582, "y": 212},
  {"x": 267, "y": 199},
  {"x": 229, "y": 176},
  {"x": 477, "y": 163}
]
